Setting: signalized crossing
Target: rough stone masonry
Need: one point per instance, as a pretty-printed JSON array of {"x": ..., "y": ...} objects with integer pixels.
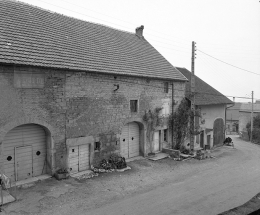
[{"x": 71, "y": 105}]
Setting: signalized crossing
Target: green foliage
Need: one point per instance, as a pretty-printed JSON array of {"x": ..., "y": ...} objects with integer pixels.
[
  {"x": 181, "y": 119},
  {"x": 105, "y": 153},
  {"x": 256, "y": 129},
  {"x": 153, "y": 120}
]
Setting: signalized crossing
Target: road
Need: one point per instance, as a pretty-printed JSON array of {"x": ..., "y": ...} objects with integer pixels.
[{"x": 231, "y": 182}]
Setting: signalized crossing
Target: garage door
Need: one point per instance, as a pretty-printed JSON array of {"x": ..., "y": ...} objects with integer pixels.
[
  {"x": 78, "y": 158},
  {"x": 25, "y": 152},
  {"x": 129, "y": 141}
]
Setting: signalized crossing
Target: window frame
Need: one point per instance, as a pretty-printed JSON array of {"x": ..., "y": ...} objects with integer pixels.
[{"x": 137, "y": 105}]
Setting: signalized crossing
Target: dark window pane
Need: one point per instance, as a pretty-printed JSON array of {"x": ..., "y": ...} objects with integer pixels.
[
  {"x": 133, "y": 105},
  {"x": 166, "y": 87}
]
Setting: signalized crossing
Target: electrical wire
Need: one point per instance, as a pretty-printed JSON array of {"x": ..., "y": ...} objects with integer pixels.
[{"x": 228, "y": 63}]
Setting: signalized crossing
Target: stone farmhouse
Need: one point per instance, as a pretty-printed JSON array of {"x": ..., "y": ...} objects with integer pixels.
[{"x": 70, "y": 88}]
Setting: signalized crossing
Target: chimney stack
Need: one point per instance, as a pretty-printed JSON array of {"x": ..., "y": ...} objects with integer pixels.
[{"x": 139, "y": 31}]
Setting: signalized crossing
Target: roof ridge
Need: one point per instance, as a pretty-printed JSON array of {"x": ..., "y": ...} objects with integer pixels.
[{"x": 71, "y": 17}]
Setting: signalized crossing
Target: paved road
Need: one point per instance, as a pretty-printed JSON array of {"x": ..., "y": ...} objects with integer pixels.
[{"x": 231, "y": 182}]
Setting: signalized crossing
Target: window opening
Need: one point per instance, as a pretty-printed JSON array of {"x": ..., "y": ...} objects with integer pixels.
[
  {"x": 134, "y": 106},
  {"x": 97, "y": 146},
  {"x": 166, "y": 87}
]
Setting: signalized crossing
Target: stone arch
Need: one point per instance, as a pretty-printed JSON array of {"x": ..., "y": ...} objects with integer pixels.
[
  {"x": 49, "y": 130},
  {"x": 142, "y": 133}
]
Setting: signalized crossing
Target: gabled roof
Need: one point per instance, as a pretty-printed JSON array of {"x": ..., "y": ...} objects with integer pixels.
[
  {"x": 204, "y": 93},
  {"x": 247, "y": 107},
  {"x": 34, "y": 36}
]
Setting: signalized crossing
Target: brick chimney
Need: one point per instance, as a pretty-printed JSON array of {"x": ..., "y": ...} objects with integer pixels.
[{"x": 139, "y": 31}]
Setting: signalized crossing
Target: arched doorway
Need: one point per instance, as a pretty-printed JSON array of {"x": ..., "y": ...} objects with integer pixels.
[
  {"x": 25, "y": 152},
  {"x": 130, "y": 140},
  {"x": 218, "y": 132}
]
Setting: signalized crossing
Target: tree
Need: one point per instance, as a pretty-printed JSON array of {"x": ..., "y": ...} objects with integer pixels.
[
  {"x": 152, "y": 119},
  {"x": 181, "y": 123},
  {"x": 256, "y": 129}
]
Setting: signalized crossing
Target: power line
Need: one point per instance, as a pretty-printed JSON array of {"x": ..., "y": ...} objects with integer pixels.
[{"x": 228, "y": 63}]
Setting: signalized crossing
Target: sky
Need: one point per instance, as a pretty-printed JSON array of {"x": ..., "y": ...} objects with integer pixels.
[{"x": 226, "y": 32}]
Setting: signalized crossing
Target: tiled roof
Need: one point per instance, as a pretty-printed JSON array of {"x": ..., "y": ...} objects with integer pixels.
[
  {"x": 33, "y": 36},
  {"x": 204, "y": 93},
  {"x": 247, "y": 107}
]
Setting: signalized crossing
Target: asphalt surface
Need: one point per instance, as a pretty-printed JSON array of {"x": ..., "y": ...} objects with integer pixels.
[
  {"x": 231, "y": 182},
  {"x": 207, "y": 187}
]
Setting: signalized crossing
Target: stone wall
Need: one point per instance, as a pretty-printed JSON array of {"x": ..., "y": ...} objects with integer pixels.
[{"x": 81, "y": 103}]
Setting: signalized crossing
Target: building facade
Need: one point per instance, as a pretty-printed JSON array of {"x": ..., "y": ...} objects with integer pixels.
[
  {"x": 212, "y": 107},
  {"x": 76, "y": 89}
]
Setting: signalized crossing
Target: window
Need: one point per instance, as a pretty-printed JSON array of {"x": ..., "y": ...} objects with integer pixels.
[
  {"x": 134, "y": 106},
  {"x": 97, "y": 146},
  {"x": 165, "y": 135},
  {"x": 166, "y": 87}
]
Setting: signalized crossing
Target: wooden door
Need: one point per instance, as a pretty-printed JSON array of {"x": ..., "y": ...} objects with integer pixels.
[
  {"x": 74, "y": 159},
  {"x": 218, "y": 132},
  {"x": 129, "y": 140},
  {"x": 78, "y": 158},
  {"x": 23, "y": 136},
  {"x": 133, "y": 140},
  {"x": 202, "y": 139},
  {"x": 23, "y": 162},
  {"x": 156, "y": 141},
  {"x": 83, "y": 157}
]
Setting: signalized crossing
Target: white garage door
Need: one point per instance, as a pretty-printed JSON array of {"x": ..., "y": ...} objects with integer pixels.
[
  {"x": 78, "y": 158},
  {"x": 129, "y": 141},
  {"x": 25, "y": 152}
]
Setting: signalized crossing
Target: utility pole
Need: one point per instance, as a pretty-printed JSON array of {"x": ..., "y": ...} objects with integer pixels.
[
  {"x": 173, "y": 142},
  {"x": 192, "y": 97},
  {"x": 252, "y": 116}
]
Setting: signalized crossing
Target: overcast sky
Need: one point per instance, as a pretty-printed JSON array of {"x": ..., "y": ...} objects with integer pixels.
[{"x": 228, "y": 30}]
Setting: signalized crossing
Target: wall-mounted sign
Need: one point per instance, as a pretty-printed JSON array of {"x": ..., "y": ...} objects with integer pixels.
[{"x": 28, "y": 78}]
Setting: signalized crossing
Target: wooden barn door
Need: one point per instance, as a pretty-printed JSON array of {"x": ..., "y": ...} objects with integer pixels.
[{"x": 218, "y": 132}]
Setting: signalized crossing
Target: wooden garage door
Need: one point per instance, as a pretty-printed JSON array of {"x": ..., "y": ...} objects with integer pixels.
[
  {"x": 79, "y": 158},
  {"x": 19, "y": 143},
  {"x": 129, "y": 141}
]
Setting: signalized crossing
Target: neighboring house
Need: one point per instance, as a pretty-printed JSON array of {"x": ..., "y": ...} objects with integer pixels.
[
  {"x": 245, "y": 117},
  {"x": 212, "y": 105},
  {"x": 70, "y": 88},
  {"x": 232, "y": 118}
]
